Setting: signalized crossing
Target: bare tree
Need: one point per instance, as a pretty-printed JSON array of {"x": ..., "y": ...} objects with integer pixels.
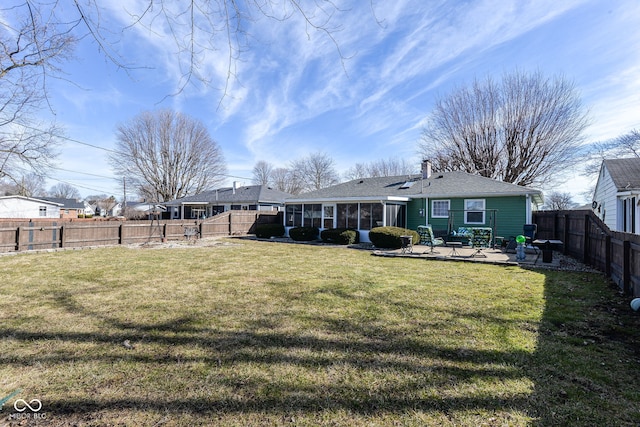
[
  {"x": 28, "y": 185},
  {"x": 64, "y": 191},
  {"x": 559, "y": 201},
  {"x": 624, "y": 146},
  {"x": 627, "y": 145},
  {"x": 167, "y": 155},
  {"x": 382, "y": 167},
  {"x": 286, "y": 180},
  {"x": 315, "y": 171},
  {"x": 524, "y": 130},
  {"x": 262, "y": 171},
  {"x": 32, "y": 47}
]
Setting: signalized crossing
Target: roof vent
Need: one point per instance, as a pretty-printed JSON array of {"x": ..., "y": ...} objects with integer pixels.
[{"x": 361, "y": 181}]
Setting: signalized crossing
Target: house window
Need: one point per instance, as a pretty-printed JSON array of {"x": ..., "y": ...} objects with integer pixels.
[
  {"x": 197, "y": 213},
  {"x": 312, "y": 215},
  {"x": 328, "y": 213},
  {"x": 440, "y": 208},
  {"x": 474, "y": 211},
  {"x": 293, "y": 216},
  {"x": 395, "y": 215},
  {"x": 217, "y": 209},
  {"x": 43, "y": 211},
  {"x": 370, "y": 215},
  {"x": 347, "y": 215}
]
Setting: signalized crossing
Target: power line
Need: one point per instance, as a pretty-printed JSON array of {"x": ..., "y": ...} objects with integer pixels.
[
  {"x": 84, "y": 173},
  {"x": 66, "y": 138}
]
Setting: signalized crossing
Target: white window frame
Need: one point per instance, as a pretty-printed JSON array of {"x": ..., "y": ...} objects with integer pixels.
[
  {"x": 468, "y": 209},
  {"x": 332, "y": 217},
  {"x": 433, "y": 208}
]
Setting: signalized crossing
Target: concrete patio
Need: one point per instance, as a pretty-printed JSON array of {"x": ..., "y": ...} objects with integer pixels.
[{"x": 468, "y": 254}]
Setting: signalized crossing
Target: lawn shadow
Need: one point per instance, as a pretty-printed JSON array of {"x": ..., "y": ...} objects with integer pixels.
[
  {"x": 585, "y": 364},
  {"x": 360, "y": 365}
]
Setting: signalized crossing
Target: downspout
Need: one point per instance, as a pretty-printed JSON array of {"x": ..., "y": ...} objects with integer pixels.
[
  {"x": 528, "y": 210},
  {"x": 426, "y": 211}
]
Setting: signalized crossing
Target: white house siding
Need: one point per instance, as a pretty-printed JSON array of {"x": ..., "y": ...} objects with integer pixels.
[
  {"x": 610, "y": 206},
  {"x": 19, "y": 207},
  {"x": 606, "y": 203}
]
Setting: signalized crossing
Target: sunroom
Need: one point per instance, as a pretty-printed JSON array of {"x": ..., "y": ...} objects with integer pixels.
[{"x": 362, "y": 215}]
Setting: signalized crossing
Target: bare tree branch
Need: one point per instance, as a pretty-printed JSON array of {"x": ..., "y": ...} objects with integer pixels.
[
  {"x": 525, "y": 129},
  {"x": 168, "y": 155}
]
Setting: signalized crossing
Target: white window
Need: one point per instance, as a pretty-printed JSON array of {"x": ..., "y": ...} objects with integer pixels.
[
  {"x": 440, "y": 208},
  {"x": 328, "y": 215},
  {"x": 474, "y": 211}
]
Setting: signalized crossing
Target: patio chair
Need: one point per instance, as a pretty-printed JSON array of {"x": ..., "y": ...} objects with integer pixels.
[
  {"x": 427, "y": 238},
  {"x": 529, "y": 232},
  {"x": 480, "y": 239}
]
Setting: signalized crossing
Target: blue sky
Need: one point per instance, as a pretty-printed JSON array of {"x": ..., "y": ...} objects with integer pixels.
[{"x": 295, "y": 95}]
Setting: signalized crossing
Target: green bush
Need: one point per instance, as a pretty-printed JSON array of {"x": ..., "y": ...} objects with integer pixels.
[
  {"x": 389, "y": 237},
  {"x": 304, "y": 234},
  {"x": 266, "y": 231},
  {"x": 340, "y": 236}
]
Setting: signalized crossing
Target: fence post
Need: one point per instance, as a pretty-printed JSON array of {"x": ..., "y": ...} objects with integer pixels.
[
  {"x": 567, "y": 222},
  {"x": 607, "y": 255},
  {"x": 121, "y": 234},
  {"x": 586, "y": 242},
  {"x": 626, "y": 268},
  {"x": 62, "y": 236},
  {"x": 18, "y": 238}
]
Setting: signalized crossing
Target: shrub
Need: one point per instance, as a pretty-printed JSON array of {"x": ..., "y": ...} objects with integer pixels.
[
  {"x": 265, "y": 231},
  {"x": 304, "y": 234},
  {"x": 389, "y": 237},
  {"x": 340, "y": 236}
]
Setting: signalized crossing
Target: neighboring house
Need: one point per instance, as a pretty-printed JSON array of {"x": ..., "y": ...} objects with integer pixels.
[
  {"x": 89, "y": 210},
  {"x": 28, "y": 207},
  {"x": 210, "y": 203},
  {"x": 446, "y": 201},
  {"x": 71, "y": 208},
  {"x": 616, "y": 198},
  {"x": 106, "y": 209},
  {"x": 144, "y": 210}
]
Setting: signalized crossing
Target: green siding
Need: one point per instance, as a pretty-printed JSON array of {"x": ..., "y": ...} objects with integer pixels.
[
  {"x": 413, "y": 214},
  {"x": 510, "y": 215}
]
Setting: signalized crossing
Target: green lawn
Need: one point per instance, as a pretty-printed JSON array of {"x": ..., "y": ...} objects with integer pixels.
[{"x": 260, "y": 333}]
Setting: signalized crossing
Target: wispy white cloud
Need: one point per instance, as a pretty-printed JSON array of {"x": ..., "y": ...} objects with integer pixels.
[{"x": 292, "y": 93}]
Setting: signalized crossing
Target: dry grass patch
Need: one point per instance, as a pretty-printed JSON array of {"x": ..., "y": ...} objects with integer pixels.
[{"x": 258, "y": 333}]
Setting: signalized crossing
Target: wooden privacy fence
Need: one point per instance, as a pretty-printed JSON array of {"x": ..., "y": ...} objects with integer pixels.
[
  {"x": 589, "y": 240},
  {"x": 33, "y": 235}
]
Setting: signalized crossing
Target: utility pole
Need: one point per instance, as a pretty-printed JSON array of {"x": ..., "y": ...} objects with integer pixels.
[{"x": 124, "y": 203}]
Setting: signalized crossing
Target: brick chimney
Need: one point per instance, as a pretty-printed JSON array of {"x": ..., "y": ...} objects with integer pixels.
[{"x": 426, "y": 169}]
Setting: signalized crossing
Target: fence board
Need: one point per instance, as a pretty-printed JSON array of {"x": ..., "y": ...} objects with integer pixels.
[
  {"x": 588, "y": 239},
  {"x": 33, "y": 235}
]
